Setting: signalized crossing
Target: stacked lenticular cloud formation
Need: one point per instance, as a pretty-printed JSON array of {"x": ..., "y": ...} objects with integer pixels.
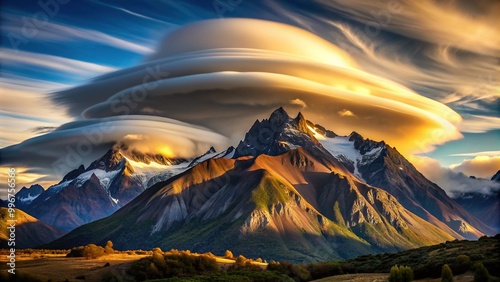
[{"x": 208, "y": 81}]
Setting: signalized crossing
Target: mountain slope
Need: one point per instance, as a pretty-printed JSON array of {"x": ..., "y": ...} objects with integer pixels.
[
  {"x": 380, "y": 165},
  {"x": 483, "y": 206},
  {"x": 285, "y": 197},
  {"x": 75, "y": 204},
  {"x": 30, "y": 232}
]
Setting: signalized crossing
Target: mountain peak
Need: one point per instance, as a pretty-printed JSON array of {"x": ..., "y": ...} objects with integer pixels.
[
  {"x": 279, "y": 116},
  {"x": 112, "y": 160},
  {"x": 25, "y": 196},
  {"x": 301, "y": 123},
  {"x": 355, "y": 136},
  {"x": 276, "y": 135}
]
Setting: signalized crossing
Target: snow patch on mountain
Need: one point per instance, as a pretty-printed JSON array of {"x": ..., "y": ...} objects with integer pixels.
[
  {"x": 114, "y": 200},
  {"x": 105, "y": 177},
  {"x": 28, "y": 199},
  {"x": 152, "y": 173},
  {"x": 58, "y": 187},
  {"x": 341, "y": 148}
]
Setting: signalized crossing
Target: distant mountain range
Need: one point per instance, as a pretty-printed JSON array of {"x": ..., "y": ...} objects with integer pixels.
[
  {"x": 87, "y": 194},
  {"x": 290, "y": 190},
  {"x": 483, "y": 206}
]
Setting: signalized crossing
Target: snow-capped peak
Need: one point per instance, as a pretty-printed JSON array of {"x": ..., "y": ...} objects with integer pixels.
[{"x": 343, "y": 148}]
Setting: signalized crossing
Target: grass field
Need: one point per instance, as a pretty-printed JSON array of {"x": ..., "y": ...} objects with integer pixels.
[
  {"x": 58, "y": 267},
  {"x": 47, "y": 266}
]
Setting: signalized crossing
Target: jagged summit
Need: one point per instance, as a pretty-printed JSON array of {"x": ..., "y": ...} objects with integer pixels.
[
  {"x": 365, "y": 145},
  {"x": 279, "y": 116},
  {"x": 112, "y": 160},
  {"x": 26, "y": 196},
  {"x": 276, "y": 135}
]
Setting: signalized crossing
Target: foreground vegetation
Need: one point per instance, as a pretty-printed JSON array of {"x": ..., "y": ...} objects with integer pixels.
[
  {"x": 480, "y": 258},
  {"x": 448, "y": 259},
  {"x": 428, "y": 261}
]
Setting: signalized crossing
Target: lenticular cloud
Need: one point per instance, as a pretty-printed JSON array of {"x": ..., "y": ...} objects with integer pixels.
[{"x": 222, "y": 75}]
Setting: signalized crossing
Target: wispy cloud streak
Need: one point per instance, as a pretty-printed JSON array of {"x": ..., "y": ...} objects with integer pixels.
[{"x": 13, "y": 57}]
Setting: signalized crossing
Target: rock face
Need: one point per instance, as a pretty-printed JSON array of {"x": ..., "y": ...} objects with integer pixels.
[{"x": 291, "y": 191}]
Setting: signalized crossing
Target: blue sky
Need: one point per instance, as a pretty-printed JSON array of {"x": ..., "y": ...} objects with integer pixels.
[{"x": 58, "y": 45}]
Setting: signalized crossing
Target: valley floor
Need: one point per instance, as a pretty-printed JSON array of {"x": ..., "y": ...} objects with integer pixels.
[
  {"x": 61, "y": 268},
  {"x": 58, "y": 267}
]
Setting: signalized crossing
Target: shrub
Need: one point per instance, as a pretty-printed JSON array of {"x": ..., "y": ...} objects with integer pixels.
[
  {"x": 90, "y": 251},
  {"x": 159, "y": 260},
  {"x": 157, "y": 250},
  {"x": 108, "y": 249},
  {"x": 481, "y": 273},
  {"x": 406, "y": 273},
  {"x": 395, "y": 275},
  {"x": 228, "y": 254},
  {"x": 401, "y": 274},
  {"x": 153, "y": 271},
  {"x": 446, "y": 274},
  {"x": 462, "y": 264},
  {"x": 172, "y": 264},
  {"x": 240, "y": 260}
]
